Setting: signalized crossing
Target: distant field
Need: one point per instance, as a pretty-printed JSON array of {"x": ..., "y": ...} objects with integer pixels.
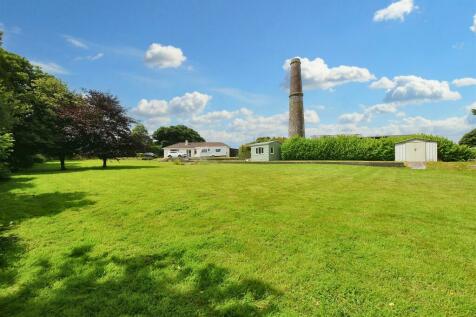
[{"x": 144, "y": 238}]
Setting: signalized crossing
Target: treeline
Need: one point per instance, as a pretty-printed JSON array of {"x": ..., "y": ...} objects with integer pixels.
[
  {"x": 366, "y": 149},
  {"x": 40, "y": 116}
]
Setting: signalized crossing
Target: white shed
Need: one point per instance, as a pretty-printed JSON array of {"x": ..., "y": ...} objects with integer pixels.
[{"x": 416, "y": 150}]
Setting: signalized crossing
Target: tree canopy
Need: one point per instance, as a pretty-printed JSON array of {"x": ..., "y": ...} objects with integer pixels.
[
  {"x": 165, "y": 136},
  {"x": 469, "y": 139},
  {"x": 107, "y": 132},
  {"x": 141, "y": 138},
  {"x": 40, "y": 115}
]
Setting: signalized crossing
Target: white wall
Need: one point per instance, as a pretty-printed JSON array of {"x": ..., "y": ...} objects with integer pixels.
[
  {"x": 400, "y": 152},
  {"x": 210, "y": 151},
  {"x": 429, "y": 151}
]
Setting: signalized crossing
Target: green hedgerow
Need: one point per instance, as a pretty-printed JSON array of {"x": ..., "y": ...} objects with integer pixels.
[{"x": 365, "y": 149}]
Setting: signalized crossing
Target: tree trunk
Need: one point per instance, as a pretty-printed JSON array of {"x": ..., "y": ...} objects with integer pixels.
[
  {"x": 62, "y": 159},
  {"x": 104, "y": 162}
]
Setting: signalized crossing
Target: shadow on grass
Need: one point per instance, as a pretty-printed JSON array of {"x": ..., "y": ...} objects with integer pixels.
[
  {"x": 50, "y": 168},
  {"x": 17, "y": 207},
  {"x": 163, "y": 284}
]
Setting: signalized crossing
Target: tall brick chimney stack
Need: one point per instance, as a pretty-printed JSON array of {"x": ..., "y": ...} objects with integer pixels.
[{"x": 296, "y": 106}]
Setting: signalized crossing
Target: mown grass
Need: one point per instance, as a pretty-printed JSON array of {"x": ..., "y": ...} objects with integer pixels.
[{"x": 143, "y": 238}]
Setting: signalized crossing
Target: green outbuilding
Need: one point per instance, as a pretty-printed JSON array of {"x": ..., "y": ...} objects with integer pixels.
[{"x": 266, "y": 151}]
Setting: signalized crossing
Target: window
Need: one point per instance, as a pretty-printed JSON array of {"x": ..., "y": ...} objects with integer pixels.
[
  {"x": 259, "y": 150},
  {"x": 204, "y": 150},
  {"x": 195, "y": 151},
  {"x": 217, "y": 150},
  {"x": 256, "y": 150},
  {"x": 271, "y": 150}
]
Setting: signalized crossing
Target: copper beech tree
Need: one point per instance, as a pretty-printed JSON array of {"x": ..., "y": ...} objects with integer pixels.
[{"x": 105, "y": 127}]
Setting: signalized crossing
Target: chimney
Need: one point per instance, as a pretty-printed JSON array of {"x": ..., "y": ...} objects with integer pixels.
[
  {"x": 296, "y": 106},
  {"x": 186, "y": 142}
]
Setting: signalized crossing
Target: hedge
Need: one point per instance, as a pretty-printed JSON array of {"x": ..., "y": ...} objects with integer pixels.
[{"x": 365, "y": 149}]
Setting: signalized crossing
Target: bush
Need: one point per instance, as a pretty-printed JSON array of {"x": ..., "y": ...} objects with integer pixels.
[
  {"x": 469, "y": 139},
  {"x": 244, "y": 152},
  {"x": 6, "y": 148},
  {"x": 365, "y": 149},
  {"x": 39, "y": 158},
  {"x": 157, "y": 150}
]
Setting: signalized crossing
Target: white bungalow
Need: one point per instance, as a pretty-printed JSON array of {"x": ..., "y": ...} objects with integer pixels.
[{"x": 197, "y": 149}]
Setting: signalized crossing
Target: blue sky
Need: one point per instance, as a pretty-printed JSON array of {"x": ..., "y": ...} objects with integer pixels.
[{"x": 369, "y": 67}]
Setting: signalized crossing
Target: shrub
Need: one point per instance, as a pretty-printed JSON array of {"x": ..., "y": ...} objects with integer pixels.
[
  {"x": 244, "y": 152},
  {"x": 157, "y": 150},
  {"x": 38, "y": 158},
  {"x": 6, "y": 148},
  {"x": 365, "y": 149},
  {"x": 469, "y": 139}
]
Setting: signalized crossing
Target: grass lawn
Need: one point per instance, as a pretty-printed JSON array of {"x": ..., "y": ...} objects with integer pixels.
[{"x": 146, "y": 238}]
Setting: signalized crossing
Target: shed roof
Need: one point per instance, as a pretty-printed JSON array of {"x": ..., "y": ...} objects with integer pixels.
[
  {"x": 192, "y": 145},
  {"x": 263, "y": 143},
  {"x": 415, "y": 139}
]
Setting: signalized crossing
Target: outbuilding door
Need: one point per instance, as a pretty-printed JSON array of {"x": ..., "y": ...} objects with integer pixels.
[{"x": 415, "y": 152}]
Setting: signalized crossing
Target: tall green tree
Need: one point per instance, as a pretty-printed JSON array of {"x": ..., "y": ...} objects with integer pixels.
[
  {"x": 165, "y": 136},
  {"x": 106, "y": 133},
  {"x": 22, "y": 114},
  {"x": 6, "y": 147},
  {"x": 469, "y": 139},
  {"x": 64, "y": 114},
  {"x": 141, "y": 138}
]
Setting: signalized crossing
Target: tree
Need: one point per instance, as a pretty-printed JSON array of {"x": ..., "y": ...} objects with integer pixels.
[
  {"x": 469, "y": 139},
  {"x": 141, "y": 138},
  {"x": 6, "y": 147},
  {"x": 61, "y": 106},
  {"x": 106, "y": 133},
  {"x": 1, "y": 37},
  {"x": 473, "y": 111},
  {"x": 22, "y": 114},
  {"x": 165, "y": 136},
  {"x": 280, "y": 139}
]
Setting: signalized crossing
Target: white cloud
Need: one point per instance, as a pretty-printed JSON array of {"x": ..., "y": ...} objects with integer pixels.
[
  {"x": 188, "y": 104},
  {"x": 382, "y": 83},
  {"x": 316, "y": 74},
  {"x": 90, "y": 57},
  {"x": 75, "y": 42},
  {"x": 463, "y": 82},
  {"x": 352, "y": 117},
  {"x": 401, "y": 91},
  {"x": 414, "y": 89},
  {"x": 50, "y": 67},
  {"x": 193, "y": 102},
  {"x": 395, "y": 11},
  {"x": 164, "y": 56},
  {"x": 472, "y": 106},
  {"x": 311, "y": 116},
  {"x": 215, "y": 116},
  {"x": 368, "y": 113},
  {"x": 451, "y": 127},
  {"x": 473, "y": 27},
  {"x": 151, "y": 108}
]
